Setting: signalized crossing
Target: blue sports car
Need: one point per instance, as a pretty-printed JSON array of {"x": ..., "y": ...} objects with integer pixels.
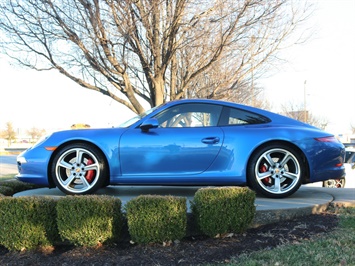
[{"x": 188, "y": 142}]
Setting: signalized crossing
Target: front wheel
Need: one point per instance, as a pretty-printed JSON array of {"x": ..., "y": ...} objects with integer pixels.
[
  {"x": 79, "y": 169},
  {"x": 276, "y": 171}
]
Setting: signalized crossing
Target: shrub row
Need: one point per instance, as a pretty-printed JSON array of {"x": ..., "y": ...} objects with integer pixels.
[{"x": 30, "y": 222}]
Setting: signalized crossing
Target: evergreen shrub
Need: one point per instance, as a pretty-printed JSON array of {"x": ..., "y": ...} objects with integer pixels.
[
  {"x": 156, "y": 219},
  {"x": 27, "y": 222},
  {"x": 222, "y": 210},
  {"x": 89, "y": 220}
]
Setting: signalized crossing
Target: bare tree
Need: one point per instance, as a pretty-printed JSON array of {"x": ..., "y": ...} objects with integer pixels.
[
  {"x": 138, "y": 51},
  {"x": 352, "y": 128},
  {"x": 260, "y": 101},
  {"x": 8, "y": 133},
  {"x": 299, "y": 113},
  {"x": 36, "y": 133}
]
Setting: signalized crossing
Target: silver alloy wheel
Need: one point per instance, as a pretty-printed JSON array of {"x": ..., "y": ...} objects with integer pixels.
[
  {"x": 73, "y": 168},
  {"x": 277, "y": 171}
]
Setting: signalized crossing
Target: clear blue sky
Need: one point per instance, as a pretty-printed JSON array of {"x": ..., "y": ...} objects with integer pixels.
[{"x": 29, "y": 98}]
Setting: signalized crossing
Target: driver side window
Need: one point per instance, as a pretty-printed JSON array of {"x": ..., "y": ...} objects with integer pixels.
[{"x": 190, "y": 115}]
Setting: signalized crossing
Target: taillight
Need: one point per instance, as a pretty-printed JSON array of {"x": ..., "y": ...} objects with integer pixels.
[
  {"x": 333, "y": 140},
  {"x": 327, "y": 139}
]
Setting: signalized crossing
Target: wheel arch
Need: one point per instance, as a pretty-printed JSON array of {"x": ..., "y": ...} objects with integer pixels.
[
  {"x": 283, "y": 142},
  {"x": 49, "y": 174}
]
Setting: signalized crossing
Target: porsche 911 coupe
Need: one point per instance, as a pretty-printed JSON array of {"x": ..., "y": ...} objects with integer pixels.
[{"x": 194, "y": 142}]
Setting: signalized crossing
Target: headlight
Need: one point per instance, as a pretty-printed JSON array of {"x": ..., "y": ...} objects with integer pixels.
[{"x": 21, "y": 159}]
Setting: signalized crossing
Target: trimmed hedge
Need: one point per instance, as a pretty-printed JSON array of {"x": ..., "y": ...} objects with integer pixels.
[
  {"x": 156, "y": 219},
  {"x": 223, "y": 210},
  {"x": 6, "y": 191},
  {"x": 17, "y": 186},
  {"x": 89, "y": 220},
  {"x": 27, "y": 222},
  {"x": 8, "y": 187}
]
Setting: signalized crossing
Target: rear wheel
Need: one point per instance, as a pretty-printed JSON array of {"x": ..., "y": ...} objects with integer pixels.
[
  {"x": 79, "y": 169},
  {"x": 276, "y": 171}
]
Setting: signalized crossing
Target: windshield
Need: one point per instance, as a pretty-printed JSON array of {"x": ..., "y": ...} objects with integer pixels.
[{"x": 133, "y": 120}]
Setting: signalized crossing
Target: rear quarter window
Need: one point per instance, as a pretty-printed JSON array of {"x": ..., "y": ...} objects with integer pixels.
[{"x": 233, "y": 116}]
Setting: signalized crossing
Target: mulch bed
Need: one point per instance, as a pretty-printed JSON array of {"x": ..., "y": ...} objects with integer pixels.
[{"x": 189, "y": 251}]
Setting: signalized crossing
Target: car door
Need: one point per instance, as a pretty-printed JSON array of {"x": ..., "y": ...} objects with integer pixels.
[{"x": 186, "y": 142}]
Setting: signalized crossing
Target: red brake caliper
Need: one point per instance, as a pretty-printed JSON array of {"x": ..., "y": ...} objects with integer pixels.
[
  {"x": 90, "y": 174},
  {"x": 263, "y": 169}
]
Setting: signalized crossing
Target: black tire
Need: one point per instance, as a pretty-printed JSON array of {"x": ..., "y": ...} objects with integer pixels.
[
  {"x": 78, "y": 169},
  {"x": 334, "y": 183},
  {"x": 276, "y": 171}
]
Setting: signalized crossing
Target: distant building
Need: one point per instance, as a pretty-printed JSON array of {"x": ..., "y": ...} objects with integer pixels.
[
  {"x": 80, "y": 126},
  {"x": 347, "y": 138}
]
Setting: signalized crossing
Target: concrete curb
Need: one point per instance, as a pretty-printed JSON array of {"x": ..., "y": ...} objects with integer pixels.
[
  {"x": 304, "y": 202},
  {"x": 274, "y": 216}
]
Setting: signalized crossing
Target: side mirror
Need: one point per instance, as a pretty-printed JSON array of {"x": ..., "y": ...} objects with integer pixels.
[{"x": 148, "y": 124}]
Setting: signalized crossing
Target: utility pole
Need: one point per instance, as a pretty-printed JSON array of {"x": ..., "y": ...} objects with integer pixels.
[{"x": 305, "y": 114}]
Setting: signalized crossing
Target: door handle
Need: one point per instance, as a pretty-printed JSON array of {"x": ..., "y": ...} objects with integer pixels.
[{"x": 210, "y": 140}]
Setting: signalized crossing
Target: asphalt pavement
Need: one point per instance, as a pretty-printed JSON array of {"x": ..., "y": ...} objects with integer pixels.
[{"x": 7, "y": 165}]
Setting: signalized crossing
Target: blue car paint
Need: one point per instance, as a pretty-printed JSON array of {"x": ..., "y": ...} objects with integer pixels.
[{"x": 162, "y": 151}]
